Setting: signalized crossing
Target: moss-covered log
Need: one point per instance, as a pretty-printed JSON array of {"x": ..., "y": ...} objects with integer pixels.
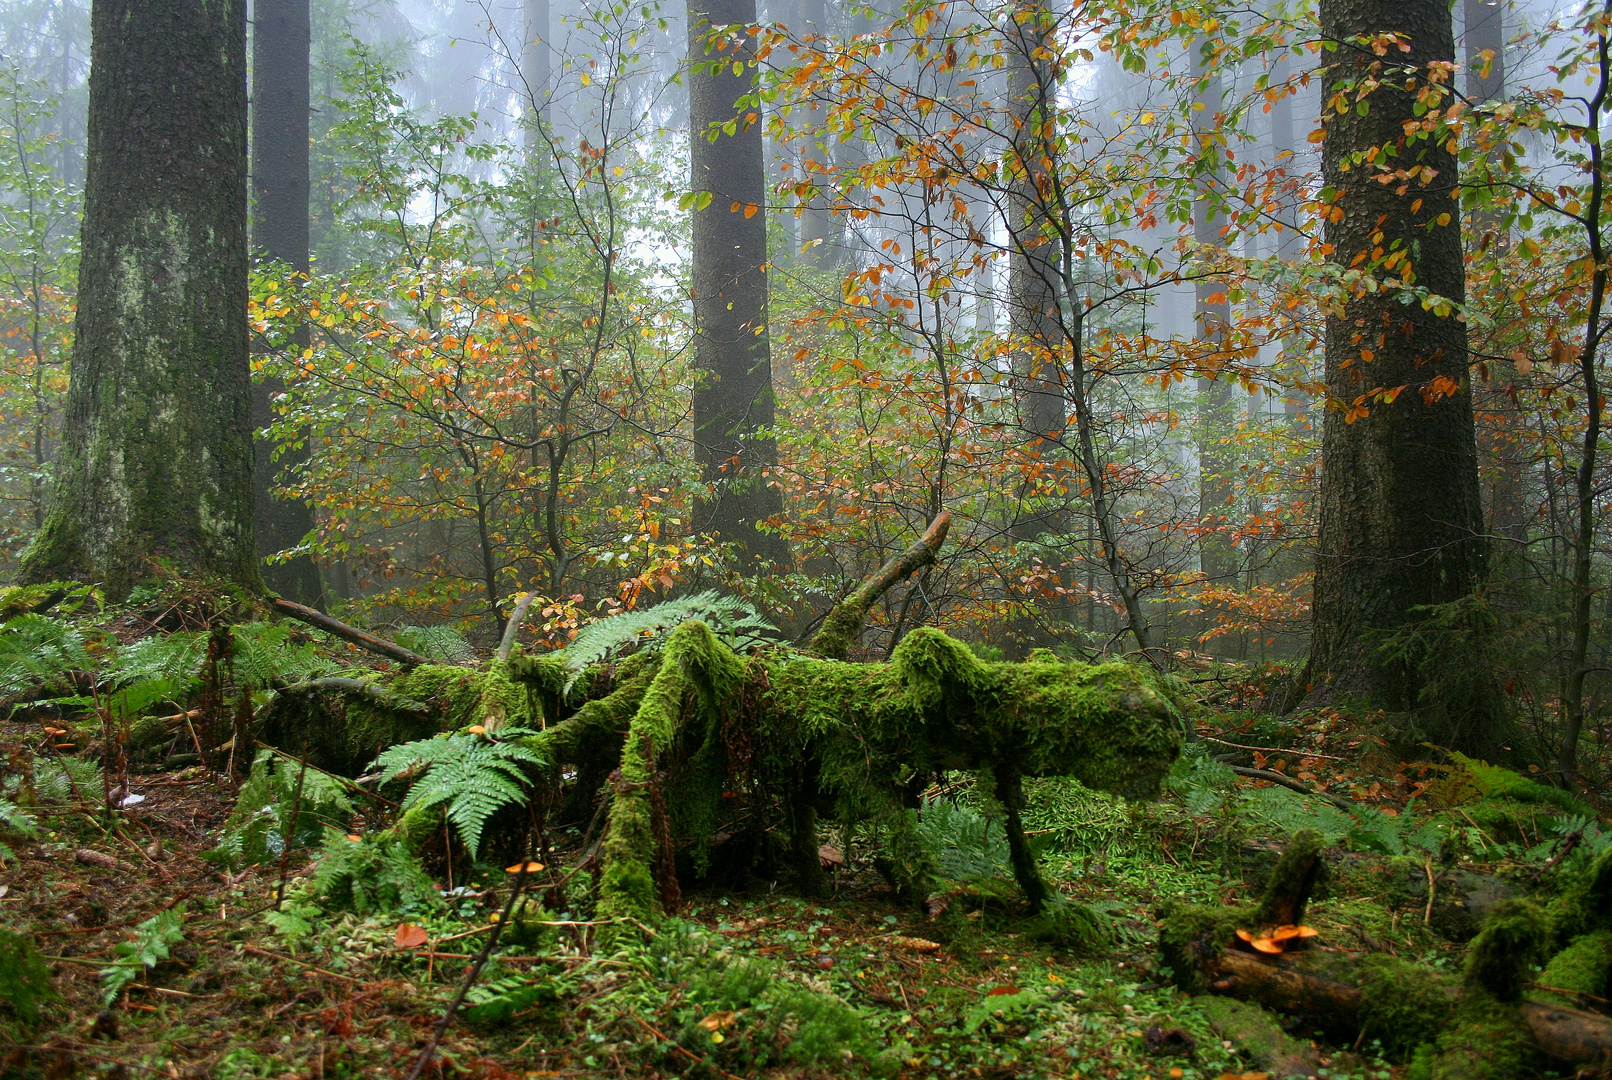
[
  {"x": 341, "y": 724},
  {"x": 1494, "y": 1022},
  {"x": 720, "y": 766},
  {"x": 777, "y": 739}
]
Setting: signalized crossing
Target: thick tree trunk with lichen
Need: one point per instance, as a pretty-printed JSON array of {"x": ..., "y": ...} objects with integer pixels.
[
  {"x": 156, "y": 458},
  {"x": 1401, "y": 520}
]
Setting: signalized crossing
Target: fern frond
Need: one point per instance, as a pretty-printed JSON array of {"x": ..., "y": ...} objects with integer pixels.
[
  {"x": 257, "y": 828},
  {"x": 18, "y": 822},
  {"x": 265, "y": 656},
  {"x": 38, "y": 649},
  {"x": 470, "y": 776},
  {"x": 174, "y": 657},
  {"x": 730, "y": 618}
]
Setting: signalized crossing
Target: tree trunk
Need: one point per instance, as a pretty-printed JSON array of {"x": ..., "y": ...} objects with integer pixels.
[
  {"x": 156, "y": 454},
  {"x": 1400, "y": 514},
  {"x": 280, "y": 43},
  {"x": 1217, "y": 414},
  {"x": 733, "y": 394},
  {"x": 535, "y": 70}
]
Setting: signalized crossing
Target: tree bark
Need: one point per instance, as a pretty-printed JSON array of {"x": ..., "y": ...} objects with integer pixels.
[
  {"x": 1217, "y": 414},
  {"x": 281, "y": 38},
  {"x": 378, "y": 646},
  {"x": 156, "y": 454},
  {"x": 733, "y": 401},
  {"x": 1400, "y": 515},
  {"x": 844, "y": 625},
  {"x": 535, "y": 70}
]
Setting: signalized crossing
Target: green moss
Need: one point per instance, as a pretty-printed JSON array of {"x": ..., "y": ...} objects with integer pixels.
[
  {"x": 503, "y": 703},
  {"x": 783, "y": 734},
  {"x": 1585, "y": 966},
  {"x": 1192, "y": 937},
  {"x": 694, "y": 659},
  {"x": 1494, "y": 782},
  {"x": 1501, "y": 959},
  {"x": 1301, "y": 874},
  {"x": 1585, "y": 902},
  {"x": 1488, "y": 1040},
  {"x": 602, "y": 720},
  {"x": 841, "y": 630},
  {"x": 1257, "y": 1034},
  {"x": 1403, "y": 1004}
]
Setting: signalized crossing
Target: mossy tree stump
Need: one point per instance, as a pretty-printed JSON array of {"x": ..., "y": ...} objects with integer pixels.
[{"x": 709, "y": 746}]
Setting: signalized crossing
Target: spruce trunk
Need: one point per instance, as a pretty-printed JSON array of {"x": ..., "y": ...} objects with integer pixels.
[
  {"x": 156, "y": 454},
  {"x": 281, "y": 37},
  {"x": 1401, "y": 521}
]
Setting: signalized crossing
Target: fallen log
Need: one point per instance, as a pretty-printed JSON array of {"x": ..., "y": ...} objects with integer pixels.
[
  {"x": 1292, "y": 785},
  {"x": 718, "y": 765},
  {"x": 1312, "y": 984},
  {"x": 363, "y": 639},
  {"x": 1476, "y": 1028}
]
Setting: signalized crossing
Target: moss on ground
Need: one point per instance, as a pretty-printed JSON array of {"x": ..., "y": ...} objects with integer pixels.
[
  {"x": 1487, "y": 1040},
  {"x": 1584, "y": 967},
  {"x": 1192, "y": 937},
  {"x": 1403, "y": 1004}
]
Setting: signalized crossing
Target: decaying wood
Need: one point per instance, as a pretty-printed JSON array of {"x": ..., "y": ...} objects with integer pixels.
[
  {"x": 507, "y": 644},
  {"x": 1270, "y": 1049},
  {"x": 103, "y": 860},
  {"x": 844, "y": 624},
  {"x": 358, "y": 688},
  {"x": 364, "y": 640},
  {"x": 1289, "y": 983},
  {"x": 1291, "y": 784}
]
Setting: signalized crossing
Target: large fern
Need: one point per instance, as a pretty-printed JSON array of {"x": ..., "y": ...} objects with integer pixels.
[
  {"x": 265, "y": 656},
  {"x": 258, "y": 828},
  {"x": 16, "y": 823},
  {"x": 471, "y": 776},
  {"x": 37, "y": 649},
  {"x": 731, "y": 619}
]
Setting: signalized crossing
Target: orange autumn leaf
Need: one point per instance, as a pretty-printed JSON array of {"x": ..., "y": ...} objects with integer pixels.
[{"x": 410, "y": 936}]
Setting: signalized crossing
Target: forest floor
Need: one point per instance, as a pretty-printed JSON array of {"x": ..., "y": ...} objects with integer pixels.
[{"x": 165, "y": 963}]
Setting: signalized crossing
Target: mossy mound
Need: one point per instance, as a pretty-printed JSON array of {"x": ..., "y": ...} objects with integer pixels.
[
  {"x": 1584, "y": 967},
  {"x": 1192, "y": 937},
  {"x": 1487, "y": 1040},
  {"x": 705, "y": 738},
  {"x": 1403, "y": 1005}
]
